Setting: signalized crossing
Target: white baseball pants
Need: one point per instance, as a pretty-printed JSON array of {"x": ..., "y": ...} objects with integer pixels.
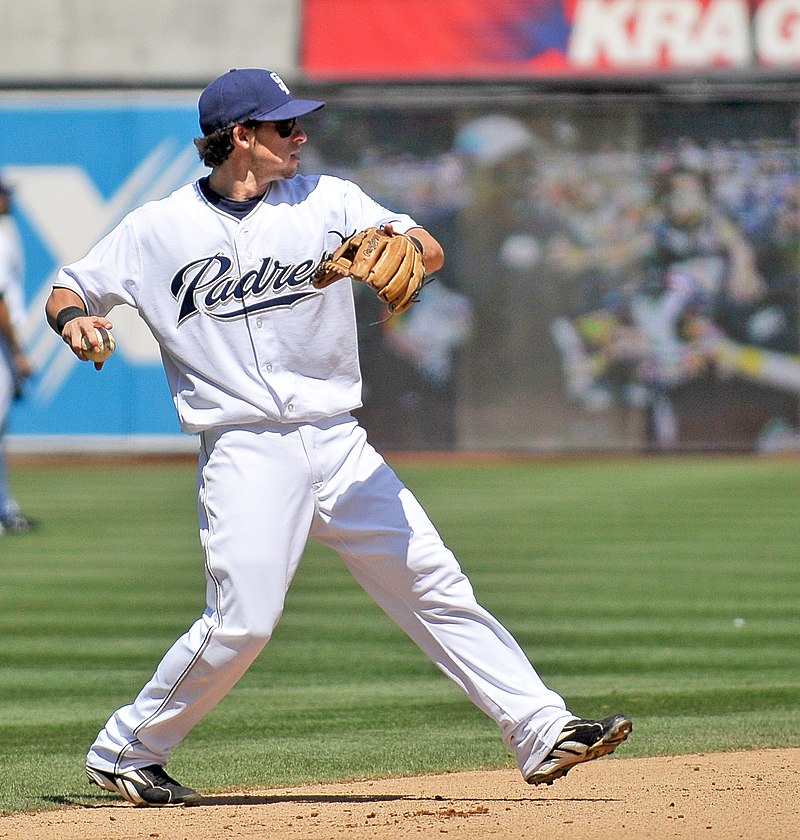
[{"x": 263, "y": 492}]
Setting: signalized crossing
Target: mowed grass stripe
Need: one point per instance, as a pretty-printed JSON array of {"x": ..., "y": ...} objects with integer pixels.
[{"x": 666, "y": 588}]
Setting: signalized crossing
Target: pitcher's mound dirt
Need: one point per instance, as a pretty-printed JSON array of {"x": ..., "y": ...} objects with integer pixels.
[{"x": 749, "y": 795}]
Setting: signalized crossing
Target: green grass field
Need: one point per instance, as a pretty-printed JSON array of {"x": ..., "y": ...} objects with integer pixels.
[{"x": 665, "y": 588}]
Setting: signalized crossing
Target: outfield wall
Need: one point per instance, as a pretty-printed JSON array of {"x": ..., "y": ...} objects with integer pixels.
[
  {"x": 573, "y": 312},
  {"x": 622, "y": 272}
]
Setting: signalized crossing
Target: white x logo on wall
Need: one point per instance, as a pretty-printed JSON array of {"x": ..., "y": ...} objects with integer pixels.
[{"x": 70, "y": 215}]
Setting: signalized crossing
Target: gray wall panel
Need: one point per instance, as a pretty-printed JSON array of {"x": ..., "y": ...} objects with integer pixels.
[{"x": 150, "y": 41}]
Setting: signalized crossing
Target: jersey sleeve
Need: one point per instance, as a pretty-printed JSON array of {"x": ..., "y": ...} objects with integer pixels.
[
  {"x": 361, "y": 211},
  {"x": 12, "y": 271},
  {"x": 109, "y": 274}
]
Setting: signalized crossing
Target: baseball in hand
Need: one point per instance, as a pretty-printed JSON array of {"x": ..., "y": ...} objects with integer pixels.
[{"x": 107, "y": 346}]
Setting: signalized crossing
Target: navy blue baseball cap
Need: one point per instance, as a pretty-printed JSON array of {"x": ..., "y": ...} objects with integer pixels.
[{"x": 251, "y": 94}]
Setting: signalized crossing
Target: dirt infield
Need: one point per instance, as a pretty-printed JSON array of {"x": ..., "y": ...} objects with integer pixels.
[{"x": 750, "y": 795}]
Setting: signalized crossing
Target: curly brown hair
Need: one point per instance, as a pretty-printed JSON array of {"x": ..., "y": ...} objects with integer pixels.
[{"x": 215, "y": 148}]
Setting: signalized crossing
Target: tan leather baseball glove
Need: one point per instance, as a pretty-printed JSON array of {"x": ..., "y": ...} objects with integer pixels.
[{"x": 388, "y": 262}]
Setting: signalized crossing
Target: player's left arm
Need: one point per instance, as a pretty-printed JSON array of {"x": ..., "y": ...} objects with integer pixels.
[
  {"x": 432, "y": 251},
  {"x": 8, "y": 335}
]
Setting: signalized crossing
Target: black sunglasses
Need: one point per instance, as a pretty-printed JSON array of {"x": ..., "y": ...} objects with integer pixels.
[{"x": 285, "y": 127}]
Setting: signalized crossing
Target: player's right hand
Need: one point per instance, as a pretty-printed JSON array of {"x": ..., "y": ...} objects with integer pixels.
[{"x": 85, "y": 326}]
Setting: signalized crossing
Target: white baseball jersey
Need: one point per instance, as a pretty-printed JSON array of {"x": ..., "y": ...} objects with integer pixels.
[
  {"x": 244, "y": 336},
  {"x": 12, "y": 268}
]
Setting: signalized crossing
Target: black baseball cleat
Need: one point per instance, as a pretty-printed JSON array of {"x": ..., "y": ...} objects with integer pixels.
[
  {"x": 579, "y": 741},
  {"x": 149, "y": 785}
]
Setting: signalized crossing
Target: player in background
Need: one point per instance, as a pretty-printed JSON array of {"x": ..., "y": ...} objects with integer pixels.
[
  {"x": 264, "y": 368},
  {"x": 15, "y": 366}
]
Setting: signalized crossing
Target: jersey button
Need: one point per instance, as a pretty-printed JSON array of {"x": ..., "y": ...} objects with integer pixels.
[
  {"x": 269, "y": 368},
  {"x": 258, "y": 323},
  {"x": 290, "y": 407}
]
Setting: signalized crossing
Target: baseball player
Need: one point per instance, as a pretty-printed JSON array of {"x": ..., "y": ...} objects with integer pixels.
[
  {"x": 15, "y": 366},
  {"x": 262, "y": 363}
]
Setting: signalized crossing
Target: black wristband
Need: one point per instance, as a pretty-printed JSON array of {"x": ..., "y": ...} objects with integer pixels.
[
  {"x": 417, "y": 243},
  {"x": 67, "y": 314}
]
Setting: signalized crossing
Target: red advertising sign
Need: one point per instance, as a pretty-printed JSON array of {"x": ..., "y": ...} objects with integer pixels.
[{"x": 361, "y": 39}]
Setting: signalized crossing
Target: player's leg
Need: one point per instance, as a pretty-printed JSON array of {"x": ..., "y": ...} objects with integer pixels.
[
  {"x": 7, "y": 504},
  {"x": 392, "y": 549},
  {"x": 255, "y": 510}
]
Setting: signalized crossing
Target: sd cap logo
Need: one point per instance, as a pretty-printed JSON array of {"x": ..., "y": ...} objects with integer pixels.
[{"x": 279, "y": 82}]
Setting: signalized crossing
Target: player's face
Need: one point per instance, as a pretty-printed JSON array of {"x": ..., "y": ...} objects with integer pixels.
[{"x": 276, "y": 149}]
